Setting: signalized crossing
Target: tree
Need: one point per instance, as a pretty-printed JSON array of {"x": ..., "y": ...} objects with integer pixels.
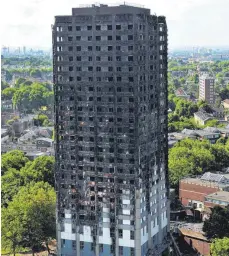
[
  {"x": 13, "y": 159},
  {"x": 189, "y": 157},
  {"x": 221, "y": 156},
  {"x": 11, "y": 229},
  {"x": 8, "y": 93},
  {"x": 4, "y": 85},
  {"x": 35, "y": 73},
  {"x": 220, "y": 247},
  {"x": 29, "y": 220},
  {"x": 11, "y": 183},
  {"x": 39, "y": 120},
  {"x": 19, "y": 81},
  {"x": 41, "y": 169},
  {"x": 21, "y": 98},
  {"x": 37, "y": 95},
  {"x": 217, "y": 226}
]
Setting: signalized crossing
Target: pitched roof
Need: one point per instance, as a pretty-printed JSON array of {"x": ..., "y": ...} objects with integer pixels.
[
  {"x": 214, "y": 177},
  {"x": 203, "y": 115}
]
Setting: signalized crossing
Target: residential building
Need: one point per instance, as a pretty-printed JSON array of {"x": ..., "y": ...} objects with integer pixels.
[
  {"x": 193, "y": 235},
  {"x": 206, "y": 88},
  {"x": 182, "y": 94},
  {"x": 226, "y": 103},
  {"x": 201, "y": 117},
  {"x": 110, "y": 85},
  {"x": 44, "y": 143},
  {"x": 220, "y": 198},
  {"x": 224, "y": 132},
  {"x": 192, "y": 191},
  {"x": 203, "y": 134}
]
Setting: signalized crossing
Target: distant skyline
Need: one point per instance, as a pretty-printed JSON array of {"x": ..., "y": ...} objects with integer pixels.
[{"x": 190, "y": 22}]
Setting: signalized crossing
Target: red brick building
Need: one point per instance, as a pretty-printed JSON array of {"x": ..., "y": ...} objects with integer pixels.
[{"x": 192, "y": 191}]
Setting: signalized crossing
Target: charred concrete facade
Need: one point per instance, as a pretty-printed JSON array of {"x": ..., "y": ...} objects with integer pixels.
[{"x": 110, "y": 80}]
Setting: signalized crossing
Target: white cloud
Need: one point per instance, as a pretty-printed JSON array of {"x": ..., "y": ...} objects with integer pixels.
[{"x": 190, "y": 22}]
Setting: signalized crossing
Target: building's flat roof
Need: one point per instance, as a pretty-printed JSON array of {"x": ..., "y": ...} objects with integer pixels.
[
  {"x": 205, "y": 183},
  {"x": 226, "y": 101},
  {"x": 219, "y": 195}
]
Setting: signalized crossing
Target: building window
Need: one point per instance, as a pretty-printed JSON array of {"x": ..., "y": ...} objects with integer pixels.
[
  {"x": 78, "y": 58},
  {"x": 70, "y": 58},
  {"x": 118, "y": 48},
  {"x": 70, "y": 48},
  {"x": 74, "y": 245},
  {"x": 109, "y": 48},
  {"x": 70, "y": 38},
  {"x": 130, "y": 26},
  {"x": 89, "y": 48},
  {"x": 90, "y": 58},
  {"x": 109, "y": 58},
  {"x": 98, "y": 69},
  {"x": 78, "y": 69},
  {"x": 98, "y": 27},
  {"x": 69, "y": 28},
  {"x": 90, "y": 68},
  {"x": 98, "y": 48},
  {"x": 81, "y": 245},
  {"x": 119, "y": 78},
  {"x": 130, "y": 58},
  {"x": 78, "y": 48},
  {"x": 78, "y": 38},
  {"x": 78, "y": 28},
  {"x": 130, "y": 37},
  {"x": 132, "y": 235},
  {"x": 131, "y": 79},
  {"x": 98, "y": 38},
  {"x": 118, "y": 27},
  {"x": 120, "y": 233},
  {"x": 89, "y": 27},
  {"x": 120, "y": 250},
  {"x": 89, "y": 38},
  {"x": 118, "y": 58},
  {"x": 101, "y": 248},
  {"x": 98, "y": 58},
  {"x": 130, "y": 48},
  {"x": 109, "y": 38},
  {"x": 118, "y": 38},
  {"x": 110, "y": 69},
  {"x": 119, "y": 69}
]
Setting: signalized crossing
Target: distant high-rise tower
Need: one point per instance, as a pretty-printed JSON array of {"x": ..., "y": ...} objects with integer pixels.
[
  {"x": 206, "y": 88},
  {"x": 110, "y": 82}
]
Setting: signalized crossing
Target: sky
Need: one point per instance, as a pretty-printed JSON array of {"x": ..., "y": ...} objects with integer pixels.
[{"x": 190, "y": 23}]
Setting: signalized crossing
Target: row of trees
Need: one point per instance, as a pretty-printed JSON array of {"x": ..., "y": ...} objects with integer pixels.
[
  {"x": 193, "y": 157},
  {"x": 28, "y": 202},
  {"x": 27, "y": 95}
]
